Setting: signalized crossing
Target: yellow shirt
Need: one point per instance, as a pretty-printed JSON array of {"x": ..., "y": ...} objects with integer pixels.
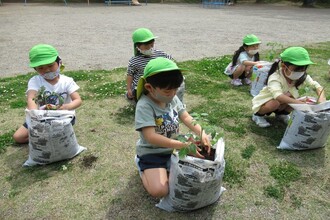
[{"x": 277, "y": 85}]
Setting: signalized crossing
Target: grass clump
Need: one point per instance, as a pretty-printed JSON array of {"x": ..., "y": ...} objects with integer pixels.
[
  {"x": 6, "y": 140},
  {"x": 248, "y": 151},
  {"x": 285, "y": 173}
]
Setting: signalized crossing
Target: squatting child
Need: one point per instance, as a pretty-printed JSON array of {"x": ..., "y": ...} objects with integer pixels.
[
  {"x": 284, "y": 78},
  {"x": 240, "y": 68}
]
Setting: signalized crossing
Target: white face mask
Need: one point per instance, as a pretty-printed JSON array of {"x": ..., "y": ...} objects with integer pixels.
[
  {"x": 295, "y": 75},
  {"x": 253, "y": 52},
  {"x": 51, "y": 75},
  {"x": 146, "y": 52}
]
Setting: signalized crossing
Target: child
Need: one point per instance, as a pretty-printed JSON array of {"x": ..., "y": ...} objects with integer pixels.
[
  {"x": 243, "y": 60},
  {"x": 144, "y": 51},
  {"x": 157, "y": 119},
  {"x": 284, "y": 78},
  {"x": 45, "y": 60}
]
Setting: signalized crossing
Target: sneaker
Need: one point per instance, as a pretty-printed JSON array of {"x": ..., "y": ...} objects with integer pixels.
[
  {"x": 260, "y": 121},
  {"x": 284, "y": 118},
  {"x": 236, "y": 82},
  {"x": 247, "y": 81}
]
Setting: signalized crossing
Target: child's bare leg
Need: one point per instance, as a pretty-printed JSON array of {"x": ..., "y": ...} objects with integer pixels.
[
  {"x": 155, "y": 181},
  {"x": 21, "y": 136},
  {"x": 269, "y": 106},
  {"x": 238, "y": 71},
  {"x": 248, "y": 71}
]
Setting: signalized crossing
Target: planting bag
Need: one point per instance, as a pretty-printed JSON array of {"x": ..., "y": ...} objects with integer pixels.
[
  {"x": 308, "y": 128},
  {"x": 194, "y": 183},
  {"x": 51, "y": 136},
  {"x": 259, "y": 77}
]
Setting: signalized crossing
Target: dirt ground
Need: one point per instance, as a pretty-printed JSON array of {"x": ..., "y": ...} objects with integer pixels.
[{"x": 97, "y": 36}]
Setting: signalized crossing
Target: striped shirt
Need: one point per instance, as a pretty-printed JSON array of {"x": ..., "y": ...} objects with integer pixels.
[{"x": 137, "y": 64}]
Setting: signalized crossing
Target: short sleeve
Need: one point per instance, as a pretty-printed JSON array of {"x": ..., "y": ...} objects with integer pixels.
[
  {"x": 243, "y": 57},
  {"x": 34, "y": 84},
  {"x": 274, "y": 86},
  {"x": 72, "y": 86},
  {"x": 144, "y": 115}
]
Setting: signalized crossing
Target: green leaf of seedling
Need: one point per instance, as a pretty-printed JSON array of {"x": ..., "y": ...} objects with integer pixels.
[{"x": 183, "y": 152}]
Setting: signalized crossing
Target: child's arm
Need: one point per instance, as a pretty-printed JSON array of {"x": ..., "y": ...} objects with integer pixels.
[
  {"x": 129, "y": 81},
  {"x": 76, "y": 102},
  {"x": 249, "y": 63},
  {"x": 287, "y": 99},
  {"x": 321, "y": 94},
  {"x": 31, "y": 94},
  {"x": 149, "y": 133},
  {"x": 186, "y": 118}
]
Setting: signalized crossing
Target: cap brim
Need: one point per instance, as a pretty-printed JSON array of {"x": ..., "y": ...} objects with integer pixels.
[
  {"x": 302, "y": 63},
  {"x": 43, "y": 62},
  {"x": 149, "y": 39},
  {"x": 258, "y": 42}
]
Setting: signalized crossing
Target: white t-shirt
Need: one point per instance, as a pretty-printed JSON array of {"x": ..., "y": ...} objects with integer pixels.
[{"x": 64, "y": 87}]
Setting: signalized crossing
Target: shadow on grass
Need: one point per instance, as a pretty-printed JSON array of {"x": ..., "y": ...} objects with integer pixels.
[
  {"x": 20, "y": 178},
  {"x": 314, "y": 158},
  {"x": 133, "y": 202},
  {"x": 273, "y": 134},
  {"x": 125, "y": 115}
]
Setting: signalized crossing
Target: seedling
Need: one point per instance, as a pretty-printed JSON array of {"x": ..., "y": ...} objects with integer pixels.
[
  {"x": 46, "y": 100},
  {"x": 273, "y": 51},
  {"x": 196, "y": 140}
]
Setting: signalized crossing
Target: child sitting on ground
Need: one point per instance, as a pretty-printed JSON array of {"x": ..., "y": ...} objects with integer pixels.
[
  {"x": 157, "y": 115},
  {"x": 243, "y": 60},
  {"x": 144, "y": 41},
  {"x": 45, "y": 60},
  {"x": 284, "y": 78}
]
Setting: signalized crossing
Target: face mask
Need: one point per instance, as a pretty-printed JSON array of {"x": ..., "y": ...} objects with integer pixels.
[
  {"x": 253, "y": 52},
  {"x": 161, "y": 98},
  {"x": 146, "y": 52},
  {"x": 295, "y": 75},
  {"x": 51, "y": 75}
]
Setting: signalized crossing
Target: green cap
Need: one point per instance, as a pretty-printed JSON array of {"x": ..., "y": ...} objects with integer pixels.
[
  {"x": 142, "y": 35},
  {"x": 153, "y": 67},
  {"x": 42, "y": 54},
  {"x": 251, "y": 39},
  {"x": 296, "y": 55}
]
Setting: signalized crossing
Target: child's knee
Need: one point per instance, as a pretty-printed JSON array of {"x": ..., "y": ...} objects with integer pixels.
[
  {"x": 21, "y": 136},
  {"x": 159, "y": 191}
]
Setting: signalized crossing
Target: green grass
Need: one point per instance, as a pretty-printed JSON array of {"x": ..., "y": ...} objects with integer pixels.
[{"x": 102, "y": 182}]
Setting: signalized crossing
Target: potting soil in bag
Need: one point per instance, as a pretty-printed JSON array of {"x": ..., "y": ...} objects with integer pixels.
[
  {"x": 259, "y": 77},
  {"x": 51, "y": 136},
  {"x": 308, "y": 128},
  {"x": 194, "y": 183}
]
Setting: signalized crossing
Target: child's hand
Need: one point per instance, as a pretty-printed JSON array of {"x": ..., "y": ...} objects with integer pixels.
[
  {"x": 205, "y": 143},
  {"x": 130, "y": 94},
  {"x": 61, "y": 107},
  {"x": 307, "y": 100}
]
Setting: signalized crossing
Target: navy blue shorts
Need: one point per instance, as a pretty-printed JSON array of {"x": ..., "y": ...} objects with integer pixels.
[
  {"x": 150, "y": 161},
  {"x": 73, "y": 121}
]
